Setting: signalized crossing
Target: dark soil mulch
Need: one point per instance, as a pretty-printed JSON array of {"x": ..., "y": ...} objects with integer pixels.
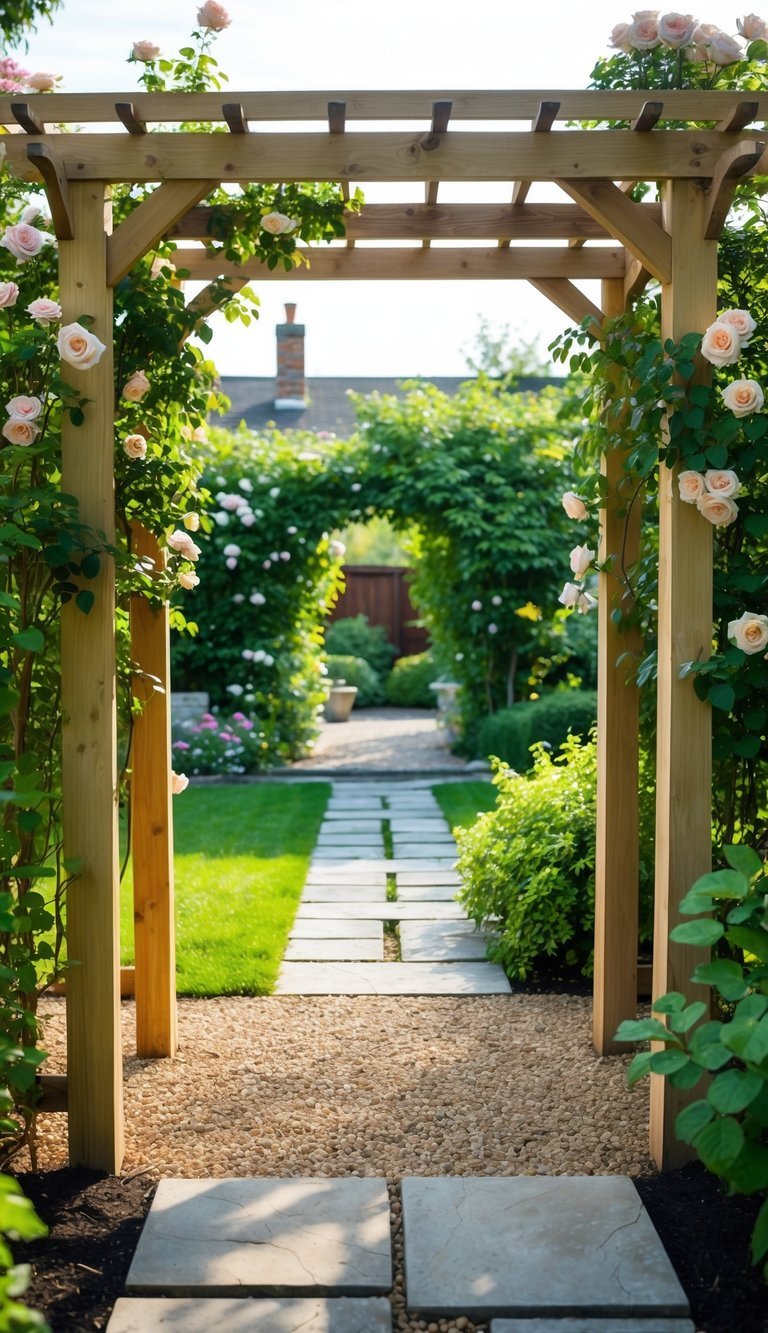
[{"x": 95, "y": 1220}]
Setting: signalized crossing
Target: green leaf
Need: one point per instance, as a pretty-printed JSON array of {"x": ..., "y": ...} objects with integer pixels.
[
  {"x": 722, "y": 696},
  {"x": 733, "y": 1091},
  {"x": 84, "y": 600},
  {"x": 719, "y": 1144},
  {"x": 760, "y": 1235},
  {"x": 722, "y": 884},
  {"x": 642, "y": 1029},
  {"x": 749, "y": 1173},
  {"x": 725, "y": 975},
  {"x": 692, "y": 1119},
  {"x": 671, "y": 1003},
  {"x": 687, "y": 1076},
  {"x": 639, "y": 1067},
  {"x": 698, "y": 932},
  {"x": 90, "y": 565},
  {"x": 668, "y": 1062},
  {"x": 685, "y": 1020},
  {"x": 30, "y": 639},
  {"x": 744, "y": 859},
  {"x": 751, "y": 940}
]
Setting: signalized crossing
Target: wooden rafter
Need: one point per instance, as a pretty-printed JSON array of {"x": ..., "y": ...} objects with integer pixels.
[
  {"x": 541, "y": 124},
  {"x": 441, "y": 114}
]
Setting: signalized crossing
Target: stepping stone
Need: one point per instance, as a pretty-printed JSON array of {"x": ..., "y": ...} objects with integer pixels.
[
  {"x": 267, "y": 1237},
  {"x": 344, "y": 893},
  {"x": 242, "y": 1315},
  {"x": 428, "y": 851},
  {"x": 440, "y": 942},
  {"x": 349, "y": 825},
  {"x": 369, "y": 877},
  {"x": 407, "y": 878},
  {"x": 534, "y": 1246},
  {"x": 426, "y": 893},
  {"x": 352, "y": 911},
  {"x": 363, "y": 950},
  {"x": 418, "y": 826},
  {"x": 342, "y": 838},
  {"x": 656, "y": 1324},
  {"x": 336, "y": 930},
  {"x": 392, "y": 979}
]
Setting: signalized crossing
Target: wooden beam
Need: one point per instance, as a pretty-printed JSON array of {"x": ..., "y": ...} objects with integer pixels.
[
  {"x": 542, "y": 122},
  {"x": 734, "y": 164},
  {"x": 451, "y": 222},
  {"x": 152, "y": 821},
  {"x": 144, "y": 227},
  {"x": 617, "y": 858},
  {"x": 568, "y": 298},
  {"x": 611, "y": 207},
  {"x": 684, "y": 723},
  {"x": 128, "y": 116},
  {"x": 385, "y": 155},
  {"x": 393, "y": 262},
  {"x": 636, "y": 279},
  {"x": 89, "y": 733},
  {"x": 56, "y": 189}
]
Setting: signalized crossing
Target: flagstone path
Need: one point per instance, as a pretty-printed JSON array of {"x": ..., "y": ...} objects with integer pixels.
[{"x": 353, "y": 885}]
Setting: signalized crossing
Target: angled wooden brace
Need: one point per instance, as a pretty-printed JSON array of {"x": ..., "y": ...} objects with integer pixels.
[
  {"x": 733, "y": 164},
  {"x": 128, "y": 116},
  {"x": 235, "y": 117},
  {"x": 56, "y": 189},
  {"x": 636, "y": 279},
  {"x": 568, "y": 298},
  {"x": 650, "y": 114},
  {"x": 152, "y": 219},
  {"x": 624, "y": 219},
  {"x": 26, "y": 118},
  {"x": 211, "y": 298}
]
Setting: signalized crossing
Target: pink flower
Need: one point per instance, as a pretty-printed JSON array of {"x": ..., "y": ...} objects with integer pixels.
[
  {"x": 692, "y": 487},
  {"x": 135, "y": 387},
  {"x": 188, "y": 579},
  {"x": 9, "y": 294},
  {"x": 24, "y": 241},
  {"x": 676, "y": 30},
  {"x": 749, "y": 632},
  {"x": 18, "y": 431},
  {"x": 743, "y": 397},
  {"x": 179, "y": 783},
  {"x": 44, "y": 311},
  {"x": 570, "y": 594},
  {"x": 585, "y": 602},
  {"x": 723, "y": 483},
  {"x": 231, "y": 562},
  {"x": 574, "y": 506},
  {"x": 180, "y": 745},
  {"x": 277, "y": 224},
  {"x": 752, "y": 28},
  {"x": 717, "y": 510},
  {"x": 721, "y": 344},
  {"x": 581, "y": 559},
  {"x": 78, "y": 347},
  {"x": 246, "y": 724},
  {"x": 231, "y": 549},
  {"x": 26, "y": 408},
  {"x": 477, "y": 605},
  {"x": 741, "y": 321},
  {"x": 42, "y": 81},
  {"x": 239, "y": 717},
  {"x": 619, "y": 39},
  {"x": 145, "y": 50},
  {"x": 135, "y": 446},
  {"x": 231, "y": 502},
  {"x": 723, "y": 49},
  {"x": 643, "y": 33},
  {"x": 183, "y": 543},
  {"x": 213, "y": 16}
]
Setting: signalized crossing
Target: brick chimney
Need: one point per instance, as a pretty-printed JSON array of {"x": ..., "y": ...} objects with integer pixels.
[{"x": 291, "y": 385}]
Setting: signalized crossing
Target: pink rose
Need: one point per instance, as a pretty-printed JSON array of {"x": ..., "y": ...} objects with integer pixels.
[
  {"x": 17, "y": 430},
  {"x": 581, "y": 559},
  {"x": 723, "y": 483},
  {"x": 42, "y": 81},
  {"x": 188, "y": 579},
  {"x": 9, "y": 294},
  {"x": 619, "y": 38},
  {"x": 574, "y": 506},
  {"x": 721, "y": 344},
  {"x": 31, "y": 213},
  {"x": 643, "y": 32},
  {"x": 135, "y": 446},
  {"x": 24, "y": 241},
  {"x": 44, "y": 311},
  {"x": 718, "y": 510},
  {"x": 213, "y": 16},
  {"x": 676, "y": 30},
  {"x": 570, "y": 594},
  {"x": 179, "y": 783},
  {"x": 79, "y": 347},
  {"x": 741, "y": 321},
  {"x": 144, "y": 50},
  {"x": 586, "y": 602},
  {"x": 743, "y": 397},
  {"x": 724, "y": 50},
  {"x": 752, "y": 28},
  {"x": 191, "y": 521},
  {"x": 749, "y": 632},
  {"x": 135, "y": 388},
  {"x": 25, "y": 408},
  {"x": 183, "y": 543},
  {"x": 277, "y": 223},
  {"x": 692, "y": 487}
]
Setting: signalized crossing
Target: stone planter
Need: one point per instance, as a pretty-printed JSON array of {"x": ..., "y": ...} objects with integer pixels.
[{"x": 338, "y": 705}]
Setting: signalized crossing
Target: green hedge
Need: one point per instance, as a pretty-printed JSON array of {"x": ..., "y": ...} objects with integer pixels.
[
  {"x": 352, "y": 636},
  {"x": 510, "y": 733},
  {"x": 407, "y": 685},
  {"x": 356, "y": 671}
]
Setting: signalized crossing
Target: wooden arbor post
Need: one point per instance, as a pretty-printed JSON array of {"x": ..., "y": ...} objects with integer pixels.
[
  {"x": 89, "y": 745},
  {"x": 684, "y": 739}
]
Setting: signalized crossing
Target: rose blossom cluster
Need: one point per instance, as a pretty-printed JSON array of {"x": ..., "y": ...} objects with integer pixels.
[
  {"x": 701, "y": 42},
  {"x": 713, "y": 493},
  {"x": 24, "y": 412},
  {"x": 582, "y": 560},
  {"x": 181, "y": 542}
]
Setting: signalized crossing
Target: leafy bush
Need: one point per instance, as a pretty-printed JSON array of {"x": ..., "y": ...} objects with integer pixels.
[
  {"x": 353, "y": 636},
  {"x": 407, "y": 685},
  {"x": 510, "y": 733},
  {"x": 356, "y": 671},
  {"x": 528, "y": 865}
]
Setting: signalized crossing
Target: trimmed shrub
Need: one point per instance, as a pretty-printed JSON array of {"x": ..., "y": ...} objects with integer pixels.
[
  {"x": 528, "y": 866},
  {"x": 407, "y": 685},
  {"x": 353, "y": 636},
  {"x": 356, "y": 671},
  {"x": 510, "y": 733}
]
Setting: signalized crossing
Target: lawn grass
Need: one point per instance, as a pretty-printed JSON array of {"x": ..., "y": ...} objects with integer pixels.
[
  {"x": 462, "y": 802},
  {"x": 241, "y": 856}
]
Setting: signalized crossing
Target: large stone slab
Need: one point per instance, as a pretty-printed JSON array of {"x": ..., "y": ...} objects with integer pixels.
[
  {"x": 336, "y": 929},
  {"x": 329, "y": 837},
  {"x": 654, "y": 1324},
  {"x": 350, "y": 824},
  {"x": 188, "y": 1314},
  {"x": 440, "y": 942},
  {"x": 362, "y": 950},
  {"x": 426, "y": 893},
  {"x": 352, "y": 911},
  {"x": 399, "y": 824},
  {"x": 408, "y": 878},
  {"x": 345, "y": 876},
  {"x": 391, "y": 979},
  {"x": 344, "y": 893},
  {"x": 425, "y": 851},
  {"x": 533, "y": 1246},
  {"x": 280, "y": 1237}
]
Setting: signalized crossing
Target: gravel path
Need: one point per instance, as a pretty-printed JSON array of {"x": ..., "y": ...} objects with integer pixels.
[{"x": 383, "y": 740}]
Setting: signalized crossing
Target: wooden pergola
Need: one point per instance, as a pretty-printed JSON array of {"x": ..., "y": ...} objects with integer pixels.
[{"x": 594, "y": 231}]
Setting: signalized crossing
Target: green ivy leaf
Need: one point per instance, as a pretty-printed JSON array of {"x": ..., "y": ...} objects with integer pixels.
[
  {"x": 643, "y": 1029},
  {"x": 702, "y": 933},
  {"x": 725, "y": 975},
  {"x": 692, "y": 1119},
  {"x": 668, "y": 1062},
  {"x": 30, "y": 639},
  {"x": 722, "y": 696},
  {"x": 733, "y": 1090}
]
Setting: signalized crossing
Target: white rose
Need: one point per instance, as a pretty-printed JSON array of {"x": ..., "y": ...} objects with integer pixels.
[
  {"x": 676, "y": 30},
  {"x": 277, "y": 224},
  {"x": 9, "y": 294},
  {"x": 213, "y": 16},
  {"x": 586, "y": 602},
  {"x": 743, "y": 397},
  {"x": 79, "y": 347},
  {"x": 718, "y": 510},
  {"x": 183, "y": 543},
  {"x": 574, "y": 506},
  {"x": 751, "y": 27},
  {"x": 145, "y": 50},
  {"x": 27, "y": 408},
  {"x": 643, "y": 32},
  {"x": 619, "y": 39},
  {"x": 135, "y": 446},
  {"x": 721, "y": 344},
  {"x": 722, "y": 482},
  {"x": 44, "y": 311},
  {"x": 749, "y": 632},
  {"x": 135, "y": 387},
  {"x": 42, "y": 81},
  {"x": 231, "y": 549},
  {"x": 691, "y": 486},
  {"x": 723, "y": 49},
  {"x": 741, "y": 321},
  {"x": 188, "y": 579},
  {"x": 179, "y": 783},
  {"x": 581, "y": 559},
  {"x": 570, "y": 594}
]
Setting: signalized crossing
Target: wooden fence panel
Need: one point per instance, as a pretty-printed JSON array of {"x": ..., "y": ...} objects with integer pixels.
[{"x": 380, "y": 592}]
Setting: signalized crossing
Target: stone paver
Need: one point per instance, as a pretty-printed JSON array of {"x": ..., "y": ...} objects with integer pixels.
[
  {"x": 346, "y": 1314},
  {"x": 329, "y": 837},
  {"x": 335, "y": 929},
  {"x": 409, "y": 878},
  {"x": 349, "y": 823},
  {"x": 425, "y": 851},
  {"x": 362, "y": 950},
  {"x": 426, "y": 893},
  {"x": 279, "y": 1237},
  {"x": 655, "y": 1324},
  {"x": 352, "y": 911},
  {"x": 440, "y": 942},
  {"x": 342, "y": 893},
  {"x": 399, "y": 824},
  {"x": 523, "y": 1246},
  {"x": 391, "y": 979}
]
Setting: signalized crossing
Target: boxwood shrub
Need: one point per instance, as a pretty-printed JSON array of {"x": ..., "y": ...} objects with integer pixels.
[
  {"x": 407, "y": 685},
  {"x": 510, "y": 733}
]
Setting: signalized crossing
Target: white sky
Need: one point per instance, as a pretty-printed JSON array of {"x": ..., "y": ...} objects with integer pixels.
[{"x": 361, "y": 328}]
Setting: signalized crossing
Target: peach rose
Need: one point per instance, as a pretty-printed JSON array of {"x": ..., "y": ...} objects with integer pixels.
[
  {"x": 581, "y": 559},
  {"x": 183, "y": 543},
  {"x": 24, "y": 407},
  {"x": 570, "y": 594},
  {"x": 574, "y": 506},
  {"x": 9, "y": 294},
  {"x": 42, "y": 81},
  {"x": 213, "y": 16},
  {"x": 135, "y": 387},
  {"x": 718, "y": 510},
  {"x": 619, "y": 38},
  {"x": 643, "y": 33},
  {"x": 743, "y": 397},
  {"x": 586, "y": 602},
  {"x": 749, "y": 632},
  {"x": 18, "y": 430},
  {"x": 752, "y": 27},
  {"x": 188, "y": 579},
  {"x": 723, "y": 483},
  {"x": 723, "y": 49},
  {"x": 691, "y": 486},
  {"x": 179, "y": 783},
  {"x": 79, "y": 347},
  {"x": 144, "y": 50},
  {"x": 277, "y": 223},
  {"x": 676, "y": 30},
  {"x": 44, "y": 311},
  {"x": 191, "y": 521},
  {"x": 24, "y": 241},
  {"x": 135, "y": 446},
  {"x": 741, "y": 321},
  {"x": 721, "y": 344}
]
